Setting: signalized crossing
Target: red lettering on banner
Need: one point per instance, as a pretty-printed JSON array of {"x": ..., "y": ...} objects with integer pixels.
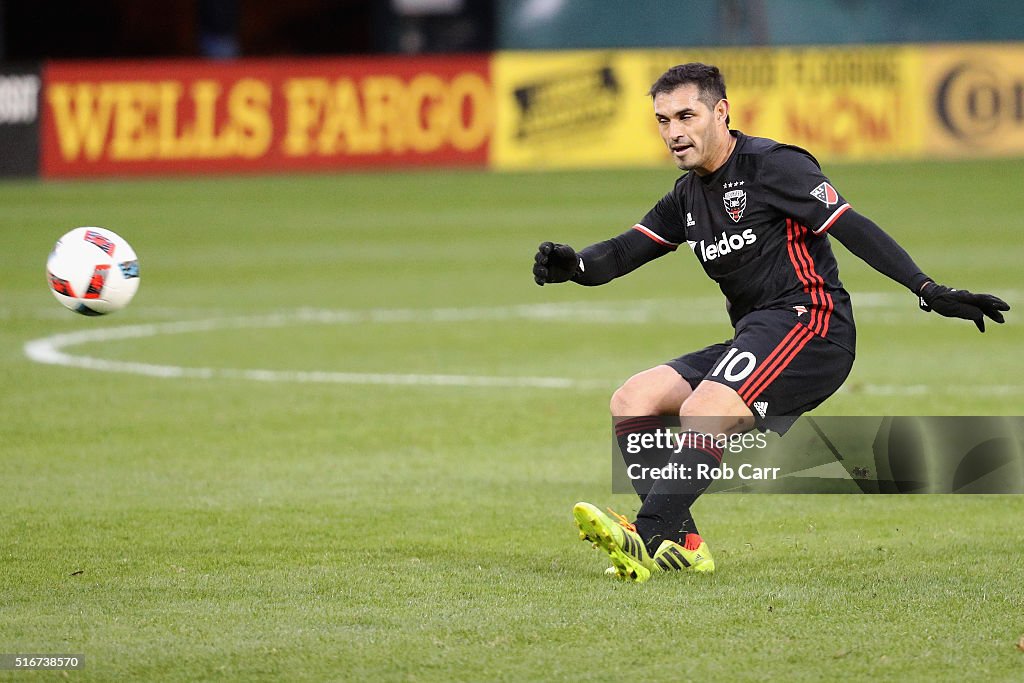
[
  {"x": 837, "y": 124},
  {"x": 752, "y": 111}
]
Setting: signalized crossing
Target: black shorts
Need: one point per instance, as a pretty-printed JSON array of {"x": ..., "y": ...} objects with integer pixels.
[{"x": 776, "y": 364}]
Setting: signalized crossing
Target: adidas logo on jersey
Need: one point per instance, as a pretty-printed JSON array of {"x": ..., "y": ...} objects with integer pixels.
[
  {"x": 761, "y": 407},
  {"x": 726, "y": 244}
]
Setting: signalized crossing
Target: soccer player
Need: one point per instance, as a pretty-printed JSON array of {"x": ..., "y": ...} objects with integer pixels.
[{"x": 756, "y": 214}]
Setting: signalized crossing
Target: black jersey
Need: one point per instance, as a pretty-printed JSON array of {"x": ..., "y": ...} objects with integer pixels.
[{"x": 757, "y": 225}]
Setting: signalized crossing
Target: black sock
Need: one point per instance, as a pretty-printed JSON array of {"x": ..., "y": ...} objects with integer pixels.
[
  {"x": 628, "y": 432},
  {"x": 665, "y": 512}
]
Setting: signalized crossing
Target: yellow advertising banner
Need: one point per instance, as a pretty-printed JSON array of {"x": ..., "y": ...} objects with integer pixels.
[
  {"x": 848, "y": 103},
  {"x": 975, "y": 100},
  {"x": 570, "y": 110},
  {"x": 580, "y": 109}
]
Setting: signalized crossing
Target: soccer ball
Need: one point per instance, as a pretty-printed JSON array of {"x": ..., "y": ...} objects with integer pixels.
[{"x": 93, "y": 271}]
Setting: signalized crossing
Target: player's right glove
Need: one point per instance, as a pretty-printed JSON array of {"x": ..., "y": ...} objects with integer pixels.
[
  {"x": 959, "y": 303},
  {"x": 554, "y": 263}
]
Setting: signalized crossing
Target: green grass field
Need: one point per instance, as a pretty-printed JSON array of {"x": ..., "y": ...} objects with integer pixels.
[{"x": 310, "y": 495}]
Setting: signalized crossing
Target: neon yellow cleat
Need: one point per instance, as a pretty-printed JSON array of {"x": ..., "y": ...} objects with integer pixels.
[
  {"x": 694, "y": 556},
  {"x": 619, "y": 539},
  {"x": 672, "y": 557}
]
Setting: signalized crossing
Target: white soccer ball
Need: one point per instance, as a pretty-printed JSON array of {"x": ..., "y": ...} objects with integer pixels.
[{"x": 93, "y": 271}]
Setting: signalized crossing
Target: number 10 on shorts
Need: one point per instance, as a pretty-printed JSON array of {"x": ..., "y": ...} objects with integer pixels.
[{"x": 735, "y": 365}]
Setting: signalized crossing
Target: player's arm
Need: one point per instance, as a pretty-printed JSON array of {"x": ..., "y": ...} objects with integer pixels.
[
  {"x": 597, "y": 264},
  {"x": 875, "y": 247}
]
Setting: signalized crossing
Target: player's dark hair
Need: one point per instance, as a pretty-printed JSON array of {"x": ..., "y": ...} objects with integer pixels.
[{"x": 708, "y": 79}]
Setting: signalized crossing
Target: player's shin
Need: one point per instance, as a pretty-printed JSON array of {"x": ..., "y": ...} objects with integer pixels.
[
  {"x": 665, "y": 512},
  {"x": 639, "y": 445}
]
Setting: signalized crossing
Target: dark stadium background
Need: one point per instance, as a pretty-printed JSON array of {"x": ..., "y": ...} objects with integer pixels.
[{"x": 67, "y": 29}]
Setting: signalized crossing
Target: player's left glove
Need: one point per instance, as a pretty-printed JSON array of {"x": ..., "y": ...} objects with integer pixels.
[{"x": 959, "y": 303}]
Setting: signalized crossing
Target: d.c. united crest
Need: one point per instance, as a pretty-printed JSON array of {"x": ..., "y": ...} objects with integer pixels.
[{"x": 735, "y": 204}]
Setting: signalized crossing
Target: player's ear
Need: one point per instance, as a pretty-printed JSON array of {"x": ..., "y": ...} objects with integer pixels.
[{"x": 722, "y": 111}]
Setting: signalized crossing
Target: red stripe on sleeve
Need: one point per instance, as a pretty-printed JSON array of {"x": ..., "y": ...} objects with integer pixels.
[
  {"x": 832, "y": 219},
  {"x": 655, "y": 236}
]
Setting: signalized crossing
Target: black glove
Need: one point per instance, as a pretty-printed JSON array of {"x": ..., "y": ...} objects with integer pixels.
[
  {"x": 554, "y": 263},
  {"x": 959, "y": 303}
]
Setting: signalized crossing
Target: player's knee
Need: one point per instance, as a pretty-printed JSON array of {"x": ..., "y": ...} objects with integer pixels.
[
  {"x": 657, "y": 391},
  {"x": 621, "y": 401},
  {"x": 631, "y": 400}
]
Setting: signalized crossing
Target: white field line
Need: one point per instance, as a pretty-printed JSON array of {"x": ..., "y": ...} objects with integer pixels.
[{"x": 52, "y": 350}]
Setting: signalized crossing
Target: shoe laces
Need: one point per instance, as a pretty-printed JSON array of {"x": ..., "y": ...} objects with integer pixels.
[{"x": 623, "y": 521}]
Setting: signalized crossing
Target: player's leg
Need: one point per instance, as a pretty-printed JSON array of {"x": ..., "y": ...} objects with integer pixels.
[
  {"x": 774, "y": 368},
  {"x": 636, "y": 405},
  {"x": 717, "y": 409},
  {"x": 665, "y": 522},
  {"x": 660, "y": 390}
]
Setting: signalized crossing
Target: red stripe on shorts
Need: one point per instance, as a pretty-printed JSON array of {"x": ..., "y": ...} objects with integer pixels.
[{"x": 780, "y": 357}]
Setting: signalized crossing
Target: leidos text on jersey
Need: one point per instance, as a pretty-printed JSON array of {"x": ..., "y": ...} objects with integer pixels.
[{"x": 726, "y": 244}]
